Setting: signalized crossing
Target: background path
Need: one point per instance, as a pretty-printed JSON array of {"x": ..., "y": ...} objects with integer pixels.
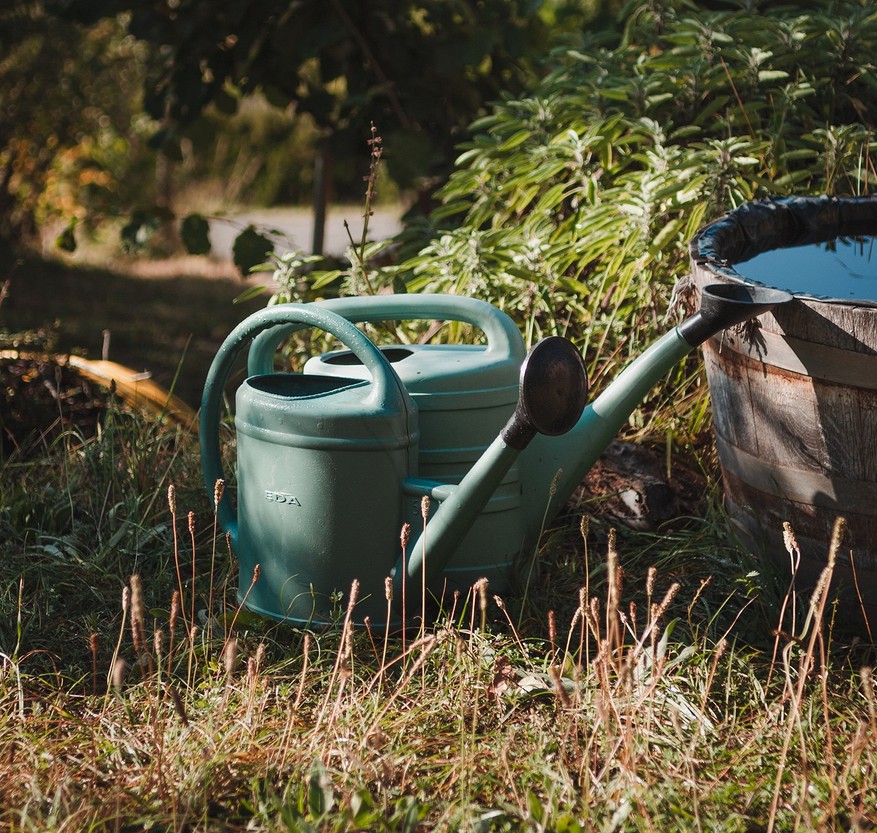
[{"x": 296, "y": 225}]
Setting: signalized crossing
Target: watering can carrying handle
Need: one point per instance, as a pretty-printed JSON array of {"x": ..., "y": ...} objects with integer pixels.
[
  {"x": 387, "y": 390},
  {"x": 503, "y": 337}
]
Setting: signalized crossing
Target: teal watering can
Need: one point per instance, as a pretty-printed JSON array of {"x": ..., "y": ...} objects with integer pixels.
[{"x": 334, "y": 461}]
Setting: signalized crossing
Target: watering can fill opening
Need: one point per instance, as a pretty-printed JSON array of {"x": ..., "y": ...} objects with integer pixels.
[
  {"x": 297, "y": 386},
  {"x": 349, "y": 358}
]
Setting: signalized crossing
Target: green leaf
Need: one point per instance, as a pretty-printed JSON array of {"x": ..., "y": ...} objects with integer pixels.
[
  {"x": 137, "y": 232},
  {"x": 248, "y": 294},
  {"x": 195, "y": 232},
  {"x": 407, "y": 814},
  {"x": 666, "y": 234},
  {"x": 250, "y": 249},
  {"x": 66, "y": 240},
  {"x": 362, "y": 808},
  {"x": 536, "y": 807},
  {"x": 515, "y": 140},
  {"x": 772, "y": 75},
  {"x": 321, "y": 798},
  {"x": 567, "y": 824},
  {"x": 322, "y": 279}
]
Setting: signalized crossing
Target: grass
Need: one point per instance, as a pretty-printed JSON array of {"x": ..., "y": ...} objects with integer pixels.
[
  {"x": 634, "y": 685},
  {"x": 633, "y": 682}
]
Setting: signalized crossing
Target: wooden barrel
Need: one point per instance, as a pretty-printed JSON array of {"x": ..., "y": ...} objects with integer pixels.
[{"x": 794, "y": 401}]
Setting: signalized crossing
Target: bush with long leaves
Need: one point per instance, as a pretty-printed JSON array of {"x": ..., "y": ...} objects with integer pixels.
[{"x": 572, "y": 208}]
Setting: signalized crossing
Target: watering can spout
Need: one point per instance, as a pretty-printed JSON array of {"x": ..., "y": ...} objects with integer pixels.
[
  {"x": 553, "y": 390},
  {"x": 564, "y": 462}
]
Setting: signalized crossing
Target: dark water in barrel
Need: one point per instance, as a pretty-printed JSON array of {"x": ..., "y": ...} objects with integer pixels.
[{"x": 845, "y": 268}]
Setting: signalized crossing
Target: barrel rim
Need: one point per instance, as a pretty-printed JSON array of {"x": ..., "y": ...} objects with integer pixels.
[{"x": 743, "y": 232}]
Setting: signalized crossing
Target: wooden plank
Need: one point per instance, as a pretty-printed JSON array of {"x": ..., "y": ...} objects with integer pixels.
[
  {"x": 818, "y": 361},
  {"x": 849, "y": 424},
  {"x": 803, "y": 486}
]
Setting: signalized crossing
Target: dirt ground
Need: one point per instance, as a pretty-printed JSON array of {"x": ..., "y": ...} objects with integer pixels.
[
  {"x": 41, "y": 398},
  {"x": 169, "y": 326}
]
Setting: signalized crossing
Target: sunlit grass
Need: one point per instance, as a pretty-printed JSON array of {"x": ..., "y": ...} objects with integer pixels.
[{"x": 634, "y": 686}]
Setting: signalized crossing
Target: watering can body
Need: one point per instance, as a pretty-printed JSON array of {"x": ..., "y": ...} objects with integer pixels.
[
  {"x": 329, "y": 470},
  {"x": 463, "y": 395},
  {"x": 334, "y": 461},
  {"x": 463, "y": 399},
  {"x": 319, "y": 470},
  {"x": 320, "y": 464}
]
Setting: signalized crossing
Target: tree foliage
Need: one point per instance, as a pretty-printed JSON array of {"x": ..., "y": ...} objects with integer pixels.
[
  {"x": 421, "y": 69},
  {"x": 68, "y": 117}
]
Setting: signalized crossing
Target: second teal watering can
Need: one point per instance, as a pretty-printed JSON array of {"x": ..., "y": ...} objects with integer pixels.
[{"x": 332, "y": 462}]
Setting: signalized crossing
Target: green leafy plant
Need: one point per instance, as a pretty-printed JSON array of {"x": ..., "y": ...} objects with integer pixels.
[{"x": 572, "y": 207}]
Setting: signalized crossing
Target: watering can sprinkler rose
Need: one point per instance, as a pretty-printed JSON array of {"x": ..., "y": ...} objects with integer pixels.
[{"x": 333, "y": 461}]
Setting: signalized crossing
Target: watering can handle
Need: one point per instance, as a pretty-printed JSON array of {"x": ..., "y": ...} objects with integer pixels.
[
  {"x": 387, "y": 390},
  {"x": 503, "y": 337}
]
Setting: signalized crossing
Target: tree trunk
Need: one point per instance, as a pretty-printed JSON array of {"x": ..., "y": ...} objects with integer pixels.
[
  {"x": 322, "y": 189},
  {"x": 167, "y": 238}
]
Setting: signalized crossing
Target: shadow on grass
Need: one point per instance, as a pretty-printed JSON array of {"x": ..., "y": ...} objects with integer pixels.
[{"x": 155, "y": 324}]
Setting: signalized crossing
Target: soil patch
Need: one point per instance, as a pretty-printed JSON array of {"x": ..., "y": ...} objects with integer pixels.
[
  {"x": 169, "y": 326},
  {"x": 42, "y": 398}
]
